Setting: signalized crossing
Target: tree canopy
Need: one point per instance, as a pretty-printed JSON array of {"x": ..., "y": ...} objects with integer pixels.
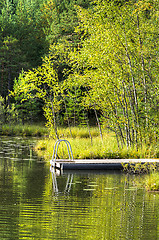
[
  {"x": 108, "y": 65},
  {"x": 118, "y": 65}
]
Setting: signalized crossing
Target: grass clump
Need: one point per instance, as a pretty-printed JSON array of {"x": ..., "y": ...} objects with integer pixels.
[
  {"x": 139, "y": 167},
  {"x": 80, "y": 132},
  {"x": 152, "y": 182},
  {"x": 24, "y": 130},
  {"x": 149, "y": 173}
]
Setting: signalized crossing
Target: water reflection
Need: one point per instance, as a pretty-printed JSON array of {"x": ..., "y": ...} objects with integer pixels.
[
  {"x": 37, "y": 204},
  {"x": 56, "y": 172},
  {"x": 16, "y": 148}
]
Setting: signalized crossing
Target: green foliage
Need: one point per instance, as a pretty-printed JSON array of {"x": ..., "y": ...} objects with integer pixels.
[
  {"x": 41, "y": 83},
  {"x": 12, "y": 61},
  {"x": 139, "y": 167},
  {"x": 109, "y": 65},
  {"x": 22, "y": 42},
  {"x": 27, "y": 30},
  {"x": 117, "y": 65},
  {"x": 27, "y": 109},
  {"x": 31, "y": 37},
  {"x": 7, "y": 114},
  {"x": 62, "y": 102},
  {"x": 59, "y": 18},
  {"x": 1, "y": 109}
]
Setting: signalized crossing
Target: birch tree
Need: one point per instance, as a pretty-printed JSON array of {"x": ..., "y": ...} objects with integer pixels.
[
  {"x": 41, "y": 83},
  {"x": 118, "y": 64}
]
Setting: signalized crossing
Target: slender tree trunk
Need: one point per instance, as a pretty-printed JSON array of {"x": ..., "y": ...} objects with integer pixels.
[
  {"x": 133, "y": 87},
  {"x": 124, "y": 106},
  {"x": 54, "y": 117},
  {"x": 89, "y": 128},
  {"x": 2, "y": 81},
  {"x": 117, "y": 137},
  {"x": 68, "y": 122},
  {"x": 117, "y": 123},
  {"x": 135, "y": 96},
  {"x": 125, "y": 118},
  {"x": 75, "y": 104},
  {"x": 96, "y": 115},
  {"x": 127, "y": 114},
  {"x": 98, "y": 122},
  {"x": 134, "y": 129},
  {"x": 143, "y": 71}
]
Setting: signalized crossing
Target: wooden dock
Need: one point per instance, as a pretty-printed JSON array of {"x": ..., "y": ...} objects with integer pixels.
[{"x": 98, "y": 164}]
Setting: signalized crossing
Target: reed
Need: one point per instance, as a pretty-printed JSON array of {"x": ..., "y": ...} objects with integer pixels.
[
  {"x": 80, "y": 132},
  {"x": 35, "y": 130}
]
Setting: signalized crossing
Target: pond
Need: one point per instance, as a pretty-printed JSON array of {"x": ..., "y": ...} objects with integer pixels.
[{"x": 38, "y": 204}]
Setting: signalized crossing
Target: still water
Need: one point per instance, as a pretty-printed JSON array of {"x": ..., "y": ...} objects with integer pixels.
[{"x": 38, "y": 204}]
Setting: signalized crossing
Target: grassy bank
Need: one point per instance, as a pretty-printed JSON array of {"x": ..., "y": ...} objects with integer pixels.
[{"x": 84, "y": 148}]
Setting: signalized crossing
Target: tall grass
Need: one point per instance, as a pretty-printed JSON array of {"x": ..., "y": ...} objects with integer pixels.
[
  {"x": 24, "y": 130},
  {"x": 84, "y": 148},
  {"x": 80, "y": 132}
]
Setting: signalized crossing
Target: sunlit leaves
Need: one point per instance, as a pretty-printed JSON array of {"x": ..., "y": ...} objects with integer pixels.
[
  {"x": 117, "y": 65},
  {"x": 41, "y": 83}
]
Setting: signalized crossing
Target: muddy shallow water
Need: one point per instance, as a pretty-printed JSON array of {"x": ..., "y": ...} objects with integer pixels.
[{"x": 38, "y": 204}]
